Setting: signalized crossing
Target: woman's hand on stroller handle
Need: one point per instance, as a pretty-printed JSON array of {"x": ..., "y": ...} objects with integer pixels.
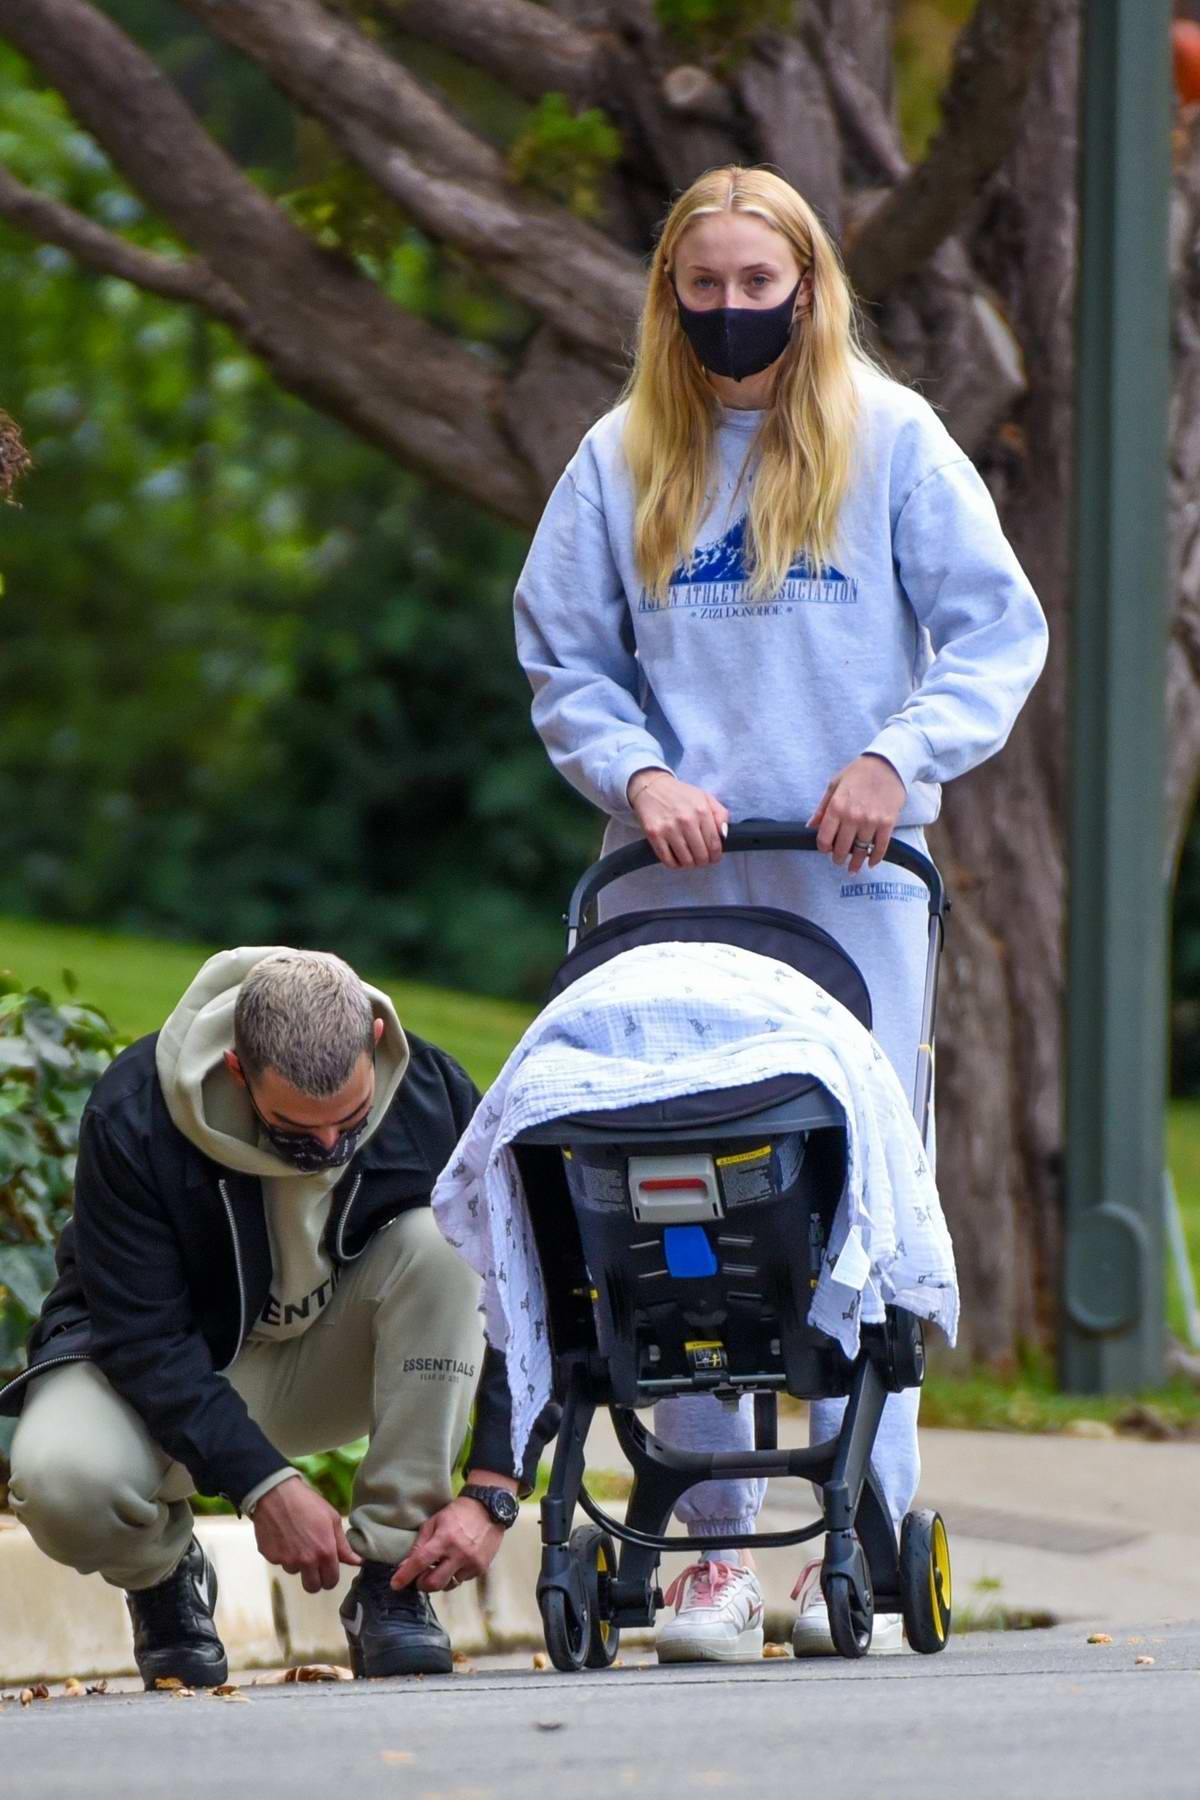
[
  {"x": 858, "y": 812},
  {"x": 684, "y": 825}
]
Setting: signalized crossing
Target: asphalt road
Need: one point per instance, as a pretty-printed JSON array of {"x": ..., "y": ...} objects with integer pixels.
[{"x": 1039, "y": 1714}]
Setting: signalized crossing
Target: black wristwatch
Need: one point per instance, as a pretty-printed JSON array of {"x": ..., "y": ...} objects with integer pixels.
[{"x": 503, "y": 1508}]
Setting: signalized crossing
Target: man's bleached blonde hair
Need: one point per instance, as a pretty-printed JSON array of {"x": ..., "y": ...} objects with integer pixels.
[
  {"x": 807, "y": 437},
  {"x": 305, "y": 1014}
]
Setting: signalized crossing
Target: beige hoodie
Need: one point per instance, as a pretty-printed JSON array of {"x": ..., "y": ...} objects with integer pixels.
[{"x": 214, "y": 1112}]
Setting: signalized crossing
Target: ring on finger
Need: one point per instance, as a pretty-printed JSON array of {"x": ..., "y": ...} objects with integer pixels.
[{"x": 860, "y": 845}]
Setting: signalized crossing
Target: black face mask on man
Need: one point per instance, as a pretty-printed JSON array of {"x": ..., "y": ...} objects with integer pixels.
[
  {"x": 306, "y": 1153},
  {"x": 738, "y": 341}
]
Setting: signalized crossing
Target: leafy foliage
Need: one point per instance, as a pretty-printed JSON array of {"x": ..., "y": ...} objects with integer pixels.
[
  {"x": 719, "y": 28},
  {"x": 257, "y": 684},
  {"x": 566, "y": 154},
  {"x": 50, "y": 1057}
]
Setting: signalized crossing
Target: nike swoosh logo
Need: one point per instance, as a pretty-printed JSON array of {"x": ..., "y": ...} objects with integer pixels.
[
  {"x": 354, "y": 1625},
  {"x": 202, "y": 1589}
]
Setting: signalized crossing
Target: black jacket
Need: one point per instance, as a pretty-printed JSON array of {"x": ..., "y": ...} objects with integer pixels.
[{"x": 166, "y": 1264}]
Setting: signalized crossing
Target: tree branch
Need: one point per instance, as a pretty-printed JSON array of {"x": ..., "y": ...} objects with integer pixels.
[
  {"x": 994, "y": 62},
  {"x": 332, "y": 70},
  {"x": 53, "y": 223},
  {"x": 325, "y": 331},
  {"x": 862, "y": 115},
  {"x": 528, "y": 47},
  {"x": 566, "y": 271}
]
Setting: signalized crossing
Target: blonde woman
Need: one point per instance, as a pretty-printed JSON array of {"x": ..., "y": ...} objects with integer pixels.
[{"x": 770, "y": 585}]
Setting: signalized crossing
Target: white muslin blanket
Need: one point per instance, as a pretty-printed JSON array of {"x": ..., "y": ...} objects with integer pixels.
[{"x": 670, "y": 1019}]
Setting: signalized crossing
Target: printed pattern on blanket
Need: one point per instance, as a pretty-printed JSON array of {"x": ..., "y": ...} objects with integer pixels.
[{"x": 670, "y": 1019}]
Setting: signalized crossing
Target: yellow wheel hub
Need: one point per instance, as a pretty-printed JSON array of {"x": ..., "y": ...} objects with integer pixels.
[
  {"x": 602, "y": 1569},
  {"x": 939, "y": 1579}
]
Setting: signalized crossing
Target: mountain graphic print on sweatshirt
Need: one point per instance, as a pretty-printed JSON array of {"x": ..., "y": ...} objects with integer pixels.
[{"x": 715, "y": 580}]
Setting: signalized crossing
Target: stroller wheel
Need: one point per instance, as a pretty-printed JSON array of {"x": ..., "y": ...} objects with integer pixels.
[
  {"x": 598, "y": 1560},
  {"x": 567, "y": 1634},
  {"x": 851, "y": 1615},
  {"x": 925, "y": 1591}
]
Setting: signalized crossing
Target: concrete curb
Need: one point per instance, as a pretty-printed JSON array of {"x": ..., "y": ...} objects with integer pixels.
[{"x": 55, "y": 1623}]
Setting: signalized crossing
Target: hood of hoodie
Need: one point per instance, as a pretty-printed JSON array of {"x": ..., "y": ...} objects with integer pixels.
[{"x": 209, "y": 1106}]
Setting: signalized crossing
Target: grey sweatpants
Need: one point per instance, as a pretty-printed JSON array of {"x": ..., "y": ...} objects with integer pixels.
[
  {"x": 880, "y": 917},
  {"x": 394, "y": 1356}
]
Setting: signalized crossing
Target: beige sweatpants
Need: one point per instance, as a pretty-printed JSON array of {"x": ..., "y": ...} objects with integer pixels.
[{"x": 97, "y": 1492}]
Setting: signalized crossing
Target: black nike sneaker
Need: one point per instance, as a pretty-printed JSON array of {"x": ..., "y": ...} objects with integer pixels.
[
  {"x": 173, "y": 1630},
  {"x": 390, "y": 1631}
]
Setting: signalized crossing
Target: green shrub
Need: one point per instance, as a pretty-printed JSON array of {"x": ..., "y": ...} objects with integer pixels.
[{"x": 50, "y": 1057}]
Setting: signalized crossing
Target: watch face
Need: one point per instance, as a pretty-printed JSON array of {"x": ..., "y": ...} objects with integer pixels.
[{"x": 504, "y": 1507}]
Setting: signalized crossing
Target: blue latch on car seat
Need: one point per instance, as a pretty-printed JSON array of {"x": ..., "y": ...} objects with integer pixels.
[{"x": 688, "y": 1251}]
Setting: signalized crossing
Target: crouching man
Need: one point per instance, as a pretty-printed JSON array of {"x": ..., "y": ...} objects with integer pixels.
[{"x": 253, "y": 1273}]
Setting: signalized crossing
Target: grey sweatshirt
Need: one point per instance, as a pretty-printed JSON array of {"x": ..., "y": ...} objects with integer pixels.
[{"x": 920, "y": 644}]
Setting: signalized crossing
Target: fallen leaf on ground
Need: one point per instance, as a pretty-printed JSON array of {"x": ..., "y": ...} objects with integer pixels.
[
  {"x": 72, "y": 1687},
  {"x": 464, "y": 1667},
  {"x": 303, "y": 1672},
  {"x": 460, "y": 1656},
  {"x": 548, "y": 1724},
  {"x": 540, "y": 1660},
  {"x": 1143, "y": 1662},
  {"x": 39, "y": 1691},
  {"x": 99, "y": 1687},
  {"x": 776, "y": 1650},
  {"x": 396, "y": 1756},
  {"x": 230, "y": 1693},
  {"x": 168, "y": 1683},
  {"x": 183, "y": 1693},
  {"x": 1099, "y": 1637}
]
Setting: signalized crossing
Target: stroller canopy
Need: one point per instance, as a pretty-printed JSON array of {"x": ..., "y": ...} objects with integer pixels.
[{"x": 766, "y": 930}]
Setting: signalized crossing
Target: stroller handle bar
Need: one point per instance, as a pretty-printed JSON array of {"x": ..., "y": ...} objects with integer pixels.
[{"x": 751, "y": 834}]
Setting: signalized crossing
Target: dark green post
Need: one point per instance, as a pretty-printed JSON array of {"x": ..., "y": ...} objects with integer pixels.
[{"x": 1113, "y": 1329}]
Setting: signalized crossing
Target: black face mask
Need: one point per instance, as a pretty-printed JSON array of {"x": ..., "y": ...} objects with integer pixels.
[
  {"x": 738, "y": 340},
  {"x": 307, "y": 1153}
]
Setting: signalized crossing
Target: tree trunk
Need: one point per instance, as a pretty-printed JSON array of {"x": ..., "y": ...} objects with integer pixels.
[{"x": 968, "y": 262}]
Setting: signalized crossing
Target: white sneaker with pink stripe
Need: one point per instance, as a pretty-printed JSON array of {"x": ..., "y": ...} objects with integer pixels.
[
  {"x": 718, "y": 1615},
  {"x": 811, "y": 1635}
]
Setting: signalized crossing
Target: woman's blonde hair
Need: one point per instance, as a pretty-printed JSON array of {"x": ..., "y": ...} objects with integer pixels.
[{"x": 807, "y": 437}]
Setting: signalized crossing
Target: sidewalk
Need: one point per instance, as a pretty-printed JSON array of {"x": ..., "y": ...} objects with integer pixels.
[{"x": 1099, "y": 1532}]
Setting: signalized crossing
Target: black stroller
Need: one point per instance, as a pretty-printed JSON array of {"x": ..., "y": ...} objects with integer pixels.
[{"x": 679, "y": 1243}]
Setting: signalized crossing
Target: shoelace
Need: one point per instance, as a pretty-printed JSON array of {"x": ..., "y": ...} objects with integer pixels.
[
  {"x": 173, "y": 1606},
  {"x": 806, "y": 1575},
  {"x": 710, "y": 1578},
  {"x": 396, "y": 1602}
]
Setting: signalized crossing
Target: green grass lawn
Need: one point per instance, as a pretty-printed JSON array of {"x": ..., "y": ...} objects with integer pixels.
[{"x": 137, "y": 982}]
